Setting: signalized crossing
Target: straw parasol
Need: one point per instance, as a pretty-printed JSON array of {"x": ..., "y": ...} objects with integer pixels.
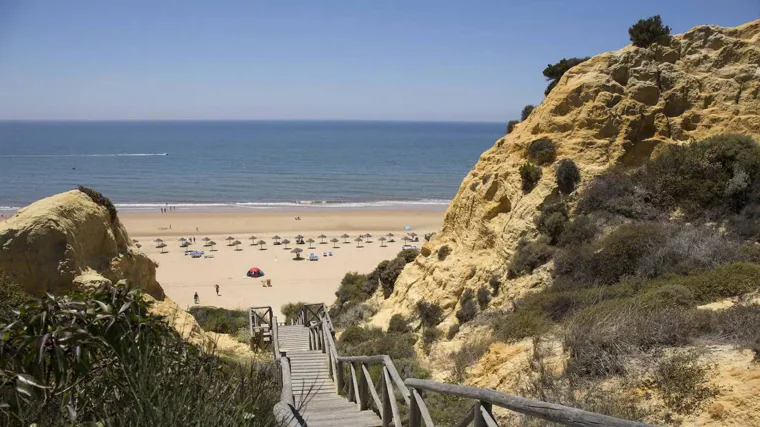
[
  {"x": 286, "y": 242},
  {"x": 157, "y": 241},
  {"x": 322, "y": 238},
  {"x": 229, "y": 240},
  {"x": 207, "y": 240},
  {"x": 368, "y": 237},
  {"x": 406, "y": 239},
  {"x": 253, "y": 240},
  {"x": 358, "y": 241},
  {"x": 334, "y": 241},
  {"x": 236, "y": 244},
  {"x": 212, "y": 244},
  {"x": 276, "y": 240},
  {"x": 390, "y": 237},
  {"x": 297, "y": 251},
  {"x": 261, "y": 244},
  {"x": 161, "y": 246},
  {"x": 135, "y": 241},
  {"x": 310, "y": 242},
  {"x": 345, "y": 238},
  {"x": 382, "y": 241}
]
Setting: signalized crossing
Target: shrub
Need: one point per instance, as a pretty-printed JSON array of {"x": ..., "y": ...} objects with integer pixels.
[
  {"x": 614, "y": 192},
  {"x": 484, "y": 297},
  {"x": 567, "y": 176},
  {"x": 468, "y": 310},
  {"x": 100, "y": 200},
  {"x": 430, "y": 313},
  {"x": 220, "y": 320},
  {"x": 542, "y": 150},
  {"x": 408, "y": 255},
  {"x": 580, "y": 230},
  {"x": 429, "y": 236},
  {"x": 554, "y": 72},
  {"x": 495, "y": 285},
  {"x": 443, "y": 252},
  {"x": 683, "y": 382},
  {"x": 529, "y": 256},
  {"x": 648, "y": 31},
  {"x": 104, "y": 357},
  {"x": 398, "y": 325},
  {"x": 607, "y": 260},
  {"x": 12, "y": 296},
  {"x": 453, "y": 330},
  {"x": 354, "y": 287},
  {"x": 722, "y": 282},
  {"x": 429, "y": 335},
  {"x": 390, "y": 273},
  {"x": 530, "y": 175},
  {"x": 291, "y": 311},
  {"x": 397, "y": 346},
  {"x": 467, "y": 355},
  {"x": 552, "y": 220},
  {"x": 511, "y": 125},
  {"x": 350, "y": 314},
  {"x": 526, "y": 112},
  {"x": 520, "y": 324},
  {"x": 669, "y": 296},
  {"x": 738, "y": 324},
  {"x": 354, "y": 335}
]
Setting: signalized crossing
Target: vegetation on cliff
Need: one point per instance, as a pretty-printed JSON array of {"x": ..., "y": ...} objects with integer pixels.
[{"x": 100, "y": 357}]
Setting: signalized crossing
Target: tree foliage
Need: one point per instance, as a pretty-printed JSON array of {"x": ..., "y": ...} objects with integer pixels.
[
  {"x": 649, "y": 31},
  {"x": 526, "y": 112},
  {"x": 568, "y": 175},
  {"x": 554, "y": 72}
]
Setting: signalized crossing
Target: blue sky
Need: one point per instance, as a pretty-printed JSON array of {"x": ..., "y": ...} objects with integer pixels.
[{"x": 353, "y": 59}]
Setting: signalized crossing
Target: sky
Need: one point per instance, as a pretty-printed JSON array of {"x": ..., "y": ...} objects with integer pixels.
[{"x": 316, "y": 60}]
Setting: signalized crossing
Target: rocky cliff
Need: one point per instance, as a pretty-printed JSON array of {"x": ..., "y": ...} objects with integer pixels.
[
  {"x": 617, "y": 107},
  {"x": 68, "y": 241}
]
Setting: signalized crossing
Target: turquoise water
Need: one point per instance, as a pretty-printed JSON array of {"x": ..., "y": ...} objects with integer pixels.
[{"x": 241, "y": 165}]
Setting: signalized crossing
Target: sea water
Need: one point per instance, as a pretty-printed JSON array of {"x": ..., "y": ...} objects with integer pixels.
[{"x": 242, "y": 165}]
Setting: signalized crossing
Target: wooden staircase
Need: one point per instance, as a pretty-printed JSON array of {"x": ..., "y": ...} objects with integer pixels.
[{"x": 315, "y": 394}]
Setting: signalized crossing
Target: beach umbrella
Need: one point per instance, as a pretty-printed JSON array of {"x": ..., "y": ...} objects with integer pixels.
[
  {"x": 236, "y": 244},
  {"x": 212, "y": 244},
  {"x": 390, "y": 237},
  {"x": 253, "y": 240},
  {"x": 358, "y": 241},
  {"x": 276, "y": 240},
  {"x": 310, "y": 242},
  {"x": 161, "y": 246},
  {"x": 157, "y": 241},
  {"x": 206, "y": 239},
  {"x": 229, "y": 240},
  {"x": 334, "y": 241},
  {"x": 413, "y": 234},
  {"x": 261, "y": 244},
  {"x": 345, "y": 238},
  {"x": 286, "y": 242},
  {"x": 382, "y": 241},
  {"x": 322, "y": 238},
  {"x": 408, "y": 228},
  {"x": 368, "y": 237},
  {"x": 182, "y": 239},
  {"x": 299, "y": 237},
  {"x": 135, "y": 240},
  {"x": 406, "y": 239},
  {"x": 297, "y": 251}
]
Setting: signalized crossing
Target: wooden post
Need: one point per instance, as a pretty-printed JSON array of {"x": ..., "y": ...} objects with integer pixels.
[
  {"x": 387, "y": 414},
  {"x": 480, "y": 420},
  {"x": 363, "y": 389},
  {"x": 341, "y": 382},
  {"x": 415, "y": 416}
]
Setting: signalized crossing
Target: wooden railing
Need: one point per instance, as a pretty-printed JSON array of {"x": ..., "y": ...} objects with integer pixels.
[
  {"x": 391, "y": 390},
  {"x": 285, "y": 410}
]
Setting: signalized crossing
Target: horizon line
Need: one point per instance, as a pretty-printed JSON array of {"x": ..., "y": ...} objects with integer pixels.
[{"x": 246, "y": 120}]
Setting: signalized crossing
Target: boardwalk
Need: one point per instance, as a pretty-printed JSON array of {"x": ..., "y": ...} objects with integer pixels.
[{"x": 315, "y": 393}]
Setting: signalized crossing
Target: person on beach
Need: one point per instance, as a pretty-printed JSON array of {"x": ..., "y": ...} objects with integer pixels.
[
  {"x": 217, "y": 289},
  {"x": 196, "y": 298}
]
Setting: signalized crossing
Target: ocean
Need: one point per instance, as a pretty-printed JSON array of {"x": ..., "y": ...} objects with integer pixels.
[{"x": 204, "y": 165}]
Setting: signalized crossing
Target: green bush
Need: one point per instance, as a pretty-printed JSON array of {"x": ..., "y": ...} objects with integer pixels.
[
  {"x": 102, "y": 357},
  {"x": 552, "y": 220},
  {"x": 511, "y": 125},
  {"x": 484, "y": 297},
  {"x": 520, "y": 324},
  {"x": 495, "y": 285},
  {"x": 554, "y": 72},
  {"x": 101, "y": 200},
  {"x": 430, "y": 335},
  {"x": 542, "y": 151},
  {"x": 373, "y": 341},
  {"x": 220, "y": 320},
  {"x": 683, "y": 382},
  {"x": 470, "y": 352},
  {"x": 648, "y": 31},
  {"x": 354, "y": 335},
  {"x": 722, "y": 282},
  {"x": 526, "y": 112},
  {"x": 468, "y": 309},
  {"x": 354, "y": 287},
  {"x": 408, "y": 255},
  {"x": 580, "y": 230},
  {"x": 568, "y": 176},
  {"x": 12, "y": 296},
  {"x": 443, "y": 252},
  {"x": 430, "y": 313},
  {"x": 453, "y": 330},
  {"x": 530, "y": 174},
  {"x": 529, "y": 256},
  {"x": 398, "y": 325},
  {"x": 738, "y": 325},
  {"x": 291, "y": 311},
  {"x": 614, "y": 193}
]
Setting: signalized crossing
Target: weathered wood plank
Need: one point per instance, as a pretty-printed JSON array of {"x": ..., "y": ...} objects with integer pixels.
[
  {"x": 392, "y": 398},
  {"x": 544, "y": 410},
  {"x": 467, "y": 418},
  {"x": 371, "y": 386},
  {"x": 422, "y": 408}
]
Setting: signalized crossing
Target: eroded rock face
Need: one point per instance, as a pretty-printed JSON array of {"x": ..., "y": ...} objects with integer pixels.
[
  {"x": 615, "y": 107},
  {"x": 67, "y": 241}
]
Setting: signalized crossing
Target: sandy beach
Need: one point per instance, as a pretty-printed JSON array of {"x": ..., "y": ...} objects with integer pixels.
[{"x": 292, "y": 281}]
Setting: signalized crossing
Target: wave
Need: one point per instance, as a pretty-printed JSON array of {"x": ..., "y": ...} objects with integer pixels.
[
  {"x": 293, "y": 204},
  {"x": 84, "y": 155}
]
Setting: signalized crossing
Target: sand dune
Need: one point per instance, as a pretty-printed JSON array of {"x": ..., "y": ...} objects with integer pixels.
[{"x": 309, "y": 281}]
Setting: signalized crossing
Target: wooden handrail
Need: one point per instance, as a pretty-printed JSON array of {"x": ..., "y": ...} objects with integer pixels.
[{"x": 362, "y": 389}]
